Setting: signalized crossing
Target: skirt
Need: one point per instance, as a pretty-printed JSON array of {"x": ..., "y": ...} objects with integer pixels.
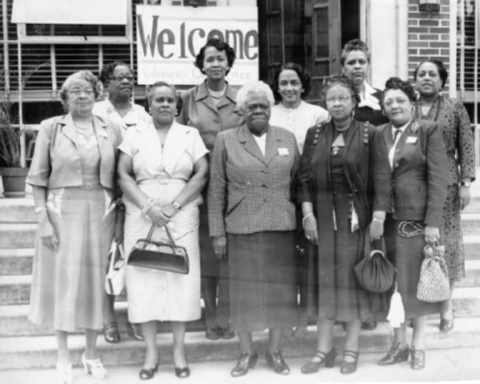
[
  {"x": 263, "y": 290},
  {"x": 406, "y": 253},
  {"x": 68, "y": 285}
]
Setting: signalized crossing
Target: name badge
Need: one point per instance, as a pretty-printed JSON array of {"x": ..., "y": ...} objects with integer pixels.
[
  {"x": 283, "y": 151},
  {"x": 411, "y": 140}
]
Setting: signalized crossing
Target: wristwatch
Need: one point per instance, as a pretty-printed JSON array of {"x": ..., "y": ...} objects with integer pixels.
[
  {"x": 465, "y": 184},
  {"x": 176, "y": 205}
]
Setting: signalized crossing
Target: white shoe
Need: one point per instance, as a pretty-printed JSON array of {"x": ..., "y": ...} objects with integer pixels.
[
  {"x": 64, "y": 373},
  {"x": 95, "y": 368}
]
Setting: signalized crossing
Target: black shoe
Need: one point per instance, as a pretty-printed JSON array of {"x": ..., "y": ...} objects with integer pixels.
[
  {"x": 325, "y": 358},
  {"x": 135, "y": 331},
  {"x": 369, "y": 325},
  {"x": 147, "y": 374},
  {"x": 395, "y": 355},
  {"x": 212, "y": 334},
  {"x": 181, "y": 373},
  {"x": 348, "y": 367},
  {"x": 111, "y": 333},
  {"x": 418, "y": 359},
  {"x": 226, "y": 333},
  {"x": 276, "y": 361},
  {"x": 446, "y": 325},
  {"x": 244, "y": 363}
]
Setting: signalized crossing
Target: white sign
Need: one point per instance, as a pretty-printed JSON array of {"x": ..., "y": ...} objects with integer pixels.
[{"x": 169, "y": 38}]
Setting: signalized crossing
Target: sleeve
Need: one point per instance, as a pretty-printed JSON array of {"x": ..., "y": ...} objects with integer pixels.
[
  {"x": 437, "y": 176},
  {"x": 466, "y": 142},
  {"x": 293, "y": 189},
  {"x": 217, "y": 188},
  {"x": 41, "y": 166},
  {"x": 381, "y": 172},
  {"x": 198, "y": 149},
  {"x": 128, "y": 145},
  {"x": 303, "y": 180}
]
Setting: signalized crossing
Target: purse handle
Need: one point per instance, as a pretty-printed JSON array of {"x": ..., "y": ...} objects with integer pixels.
[
  {"x": 112, "y": 259},
  {"x": 150, "y": 234}
]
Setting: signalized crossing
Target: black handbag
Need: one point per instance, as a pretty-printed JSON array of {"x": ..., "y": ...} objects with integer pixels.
[
  {"x": 167, "y": 257},
  {"x": 374, "y": 272}
]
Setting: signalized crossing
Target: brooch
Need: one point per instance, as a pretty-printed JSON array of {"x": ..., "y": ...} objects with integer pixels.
[{"x": 415, "y": 127}]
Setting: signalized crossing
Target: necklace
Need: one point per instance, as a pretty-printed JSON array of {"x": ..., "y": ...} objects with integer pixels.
[
  {"x": 342, "y": 130},
  {"x": 217, "y": 94},
  {"x": 83, "y": 127}
]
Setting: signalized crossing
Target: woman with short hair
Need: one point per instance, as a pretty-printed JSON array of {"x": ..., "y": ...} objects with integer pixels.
[{"x": 253, "y": 225}]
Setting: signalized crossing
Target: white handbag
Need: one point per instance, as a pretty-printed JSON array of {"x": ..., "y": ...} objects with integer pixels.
[{"x": 115, "y": 280}]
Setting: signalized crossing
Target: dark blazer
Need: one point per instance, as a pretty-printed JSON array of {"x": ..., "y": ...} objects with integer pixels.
[
  {"x": 249, "y": 192},
  {"x": 373, "y": 116},
  {"x": 419, "y": 177}
]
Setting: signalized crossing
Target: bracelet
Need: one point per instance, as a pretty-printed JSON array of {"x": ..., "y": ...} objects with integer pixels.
[
  {"x": 379, "y": 220},
  {"x": 40, "y": 209},
  {"x": 149, "y": 204},
  {"x": 306, "y": 217}
]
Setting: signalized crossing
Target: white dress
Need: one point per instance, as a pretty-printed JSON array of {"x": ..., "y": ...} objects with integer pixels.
[
  {"x": 162, "y": 174},
  {"x": 298, "y": 120}
]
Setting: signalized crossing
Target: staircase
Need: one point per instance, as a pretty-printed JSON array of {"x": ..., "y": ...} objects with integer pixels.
[{"x": 24, "y": 345}]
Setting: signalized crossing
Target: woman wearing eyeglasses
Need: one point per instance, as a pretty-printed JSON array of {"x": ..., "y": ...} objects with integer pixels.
[
  {"x": 73, "y": 178},
  {"x": 117, "y": 79},
  {"x": 335, "y": 190}
]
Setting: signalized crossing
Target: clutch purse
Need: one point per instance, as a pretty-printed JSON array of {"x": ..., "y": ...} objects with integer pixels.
[
  {"x": 160, "y": 255},
  {"x": 115, "y": 279},
  {"x": 433, "y": 285}
]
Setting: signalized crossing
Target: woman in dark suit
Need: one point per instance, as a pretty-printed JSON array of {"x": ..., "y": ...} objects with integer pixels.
[
  {"x": 418, "y": 160},
  {"x": 252, "y": 221},
  {"x": 335, "y": 179}
]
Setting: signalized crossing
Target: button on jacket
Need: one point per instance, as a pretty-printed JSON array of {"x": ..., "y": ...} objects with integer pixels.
[
  {"x": 249, "y": 192},
  {"x": 56, "y": 163}
]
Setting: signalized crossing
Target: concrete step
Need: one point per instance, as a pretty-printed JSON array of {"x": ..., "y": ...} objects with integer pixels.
[
  {"x": 474, "y": 206},
  {"x": 472, "y": 247},
  {"x": 471, "y": 224},
  {"x": 40, "y": 352},
  {"x": 17, "y": 235},
  {"x": 17, "y": 210},
  {"x": 472, "y": 274}
]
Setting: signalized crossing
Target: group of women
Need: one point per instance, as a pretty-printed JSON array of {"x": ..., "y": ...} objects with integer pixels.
[{"x": 291, "y": 192}]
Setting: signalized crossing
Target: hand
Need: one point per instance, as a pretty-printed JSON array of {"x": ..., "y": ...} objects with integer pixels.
[
  {"x": 47, "y": 232},
  {"x": 310, "y": 229},
  {"x": 463, "y": 197},
  {"x": 157, "y": 216},
  {"x": 169, "y": 210},
  {"x": 376, "y": 229},
  {"x": 432, "y": 234},
  {"x": 220, "y": 247}
]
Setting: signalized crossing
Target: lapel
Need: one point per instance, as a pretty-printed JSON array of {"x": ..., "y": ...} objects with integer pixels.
[
  {"x": 204, "y": 97},
  {"x": 388, "y": 137},
  {"x": 273, "y": 142},
  {"x": 175, "y": 143},
  {"x": 403, "y": 139},
  {"x": 246, "y": 138},
  {"x": 69, "y": 128},
  {"x": 101, "y": 132},
  {"x": 230, "y": 98}
]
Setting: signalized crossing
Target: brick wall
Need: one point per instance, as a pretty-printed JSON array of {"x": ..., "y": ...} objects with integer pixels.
[{"x": 428, "y": 35}]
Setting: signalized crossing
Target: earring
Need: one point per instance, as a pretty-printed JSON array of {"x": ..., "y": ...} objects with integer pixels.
[{"x": 383, "y": 113}]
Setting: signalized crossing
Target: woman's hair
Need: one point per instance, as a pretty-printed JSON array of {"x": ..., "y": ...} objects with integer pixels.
[
  {"x": 220, "y": 46},
  {"x": 303, "y": 75},
  {"x": 442, "y": 71},
  {"x": 107, "y": 71},
  {"x": 394, "y": 83},
  {"x": 354, "y": 45},
  {"x": 84, "y": 75},
  {"x": 343, "y": 81},
  {"x": 254, "y": 87},
  {"x": 158, "y": 84}
]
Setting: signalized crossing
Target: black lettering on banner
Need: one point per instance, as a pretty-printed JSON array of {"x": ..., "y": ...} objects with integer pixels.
[
  {"x": 190, "y": 40},
  {"x": 150, "y": 40},
  {"x": 236, "y": 36},
  {"x": 161, "y": 42},
  {"x": 254, "y": 36}
]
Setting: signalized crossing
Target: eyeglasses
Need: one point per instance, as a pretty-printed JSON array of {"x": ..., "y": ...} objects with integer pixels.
[
  {"x": 129, "y": 78},
  {"x": 341, "y": 99},
  {"x": 78, "y": 91}
]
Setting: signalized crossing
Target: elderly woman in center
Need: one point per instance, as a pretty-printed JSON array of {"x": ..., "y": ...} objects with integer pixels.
[
  {"x": 253, "y": 224},
  {"x": 74, "y": 188},
  {"x": 162, "y": 170}
]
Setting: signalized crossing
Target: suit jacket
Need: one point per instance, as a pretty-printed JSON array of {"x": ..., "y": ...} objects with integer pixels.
[
  {"x": 200, "y": 111},
  {"x": 419, "y": 176},
  {"x": 56, "y": 162},
  {"x": 249, "y": 192}
]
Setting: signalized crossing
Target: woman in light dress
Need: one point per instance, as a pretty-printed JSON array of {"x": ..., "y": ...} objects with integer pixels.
[{"x": 162, "y": 171}]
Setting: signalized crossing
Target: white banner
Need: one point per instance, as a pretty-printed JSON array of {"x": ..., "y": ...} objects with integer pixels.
[{"x": 169, "y": 38}]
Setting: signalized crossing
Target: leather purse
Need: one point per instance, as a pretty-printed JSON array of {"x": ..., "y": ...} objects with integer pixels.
[
  {"x": 433, "y": 285},
  {"x": 164, "y": 256},
  {"x": 115, "y": 279}
]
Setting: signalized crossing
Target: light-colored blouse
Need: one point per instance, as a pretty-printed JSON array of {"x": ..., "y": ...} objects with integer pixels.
[{"x": 298, "y": 120}]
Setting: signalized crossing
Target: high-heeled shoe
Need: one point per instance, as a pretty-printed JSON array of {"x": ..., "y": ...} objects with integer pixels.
[
  {"x": 417, "y": 358},
  {"x": 276, "y": 361},
  {"x": 348, "y": 367},
  {"x": 395, "y": 355},
  {"x": 181, "y": 373},
  {"x": 446, "y": 325},
  {"x": 325, "y": 358},
  {"x": 147, "y": 374},
  {"x": 135, "y": 331},
  {"x": 244, "y": 363},
  {"x": 95, "y": 368},
  {"x": 65, "y": 373},
  {"x": 111, "y": 333}
]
